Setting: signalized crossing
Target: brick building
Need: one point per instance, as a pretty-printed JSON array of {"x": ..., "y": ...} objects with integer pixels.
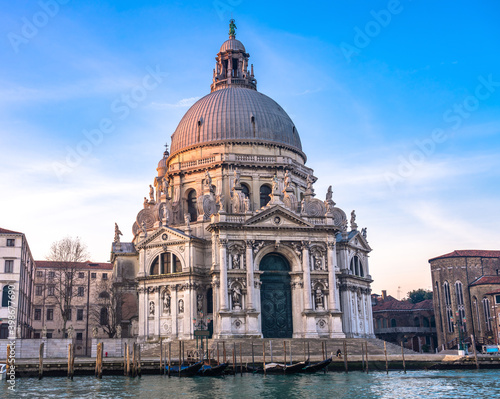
[
  {"x": 89, "y": 288},
  {"x": 466, "y": 285},
  {"x": 401, "y": 321},
  {"x": 16, "y": 270}
]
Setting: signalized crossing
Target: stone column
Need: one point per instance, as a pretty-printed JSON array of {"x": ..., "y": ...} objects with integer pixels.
[
  {"x": 157, "y": 311},
  {"x": 332, "y": 281},
  {"x": 307, "y": 275},
  {"x": 142, "y": 317},
  {"x": 250, "y": 277},
  {"x": 223, "y": 274},
  {"x": 173, "y": 311}
]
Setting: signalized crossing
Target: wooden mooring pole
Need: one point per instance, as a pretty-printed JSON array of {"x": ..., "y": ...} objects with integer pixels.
[
  {"x": 345, "y": 358},
  {"x": 71, "y": 360},
  {"x": 366, "y": 346},
  {"x": 40, "y": 362},
  {"x": 134, "y": 361},
  {"x": 139, "y": 369},
  {"x": 128, "y": 360},
  {"x": 180, "y": 353},
  {"x": 125, "y": 359},
  {"x": 284, "y": 356},
  {"x": 403, "y": 355},
  {"x": 386, "y": 363},
  {"x": 241, "y": 361},
  {"x": 264, "y": 356},
  {"x": 253, "y": 358},
  {"x": 218, "y": 353},
  {"x": 234, "y": 358},
  {"x": 475, "y": 352},
  {"x": 169, "y": 357},
  {"x": 224, "y": 351}
]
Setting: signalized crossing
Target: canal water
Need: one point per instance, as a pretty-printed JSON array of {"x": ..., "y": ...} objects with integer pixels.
[{"x": 414, "y": 384}]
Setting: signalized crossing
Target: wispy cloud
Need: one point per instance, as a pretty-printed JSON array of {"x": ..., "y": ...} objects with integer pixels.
[{"x": 183, "y": 103}]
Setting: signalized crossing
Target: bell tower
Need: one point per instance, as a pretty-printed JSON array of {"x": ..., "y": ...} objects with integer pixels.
[{"x": 231, "y": 67}]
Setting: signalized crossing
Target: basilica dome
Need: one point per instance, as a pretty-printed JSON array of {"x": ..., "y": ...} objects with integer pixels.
[
  {"x": 235, "y": 111},
  {"x": 235, "y": 114}
]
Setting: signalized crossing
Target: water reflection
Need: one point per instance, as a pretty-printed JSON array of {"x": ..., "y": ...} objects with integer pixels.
[{"x": 415, "y": 384}]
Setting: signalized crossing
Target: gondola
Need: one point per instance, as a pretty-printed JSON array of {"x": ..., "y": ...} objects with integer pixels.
[
  {"x": 186, "y": 371},
  {"x": 212, "y": 371},
  {"x": 317, "y": 366},
  {"x": 278, "y": 368}
]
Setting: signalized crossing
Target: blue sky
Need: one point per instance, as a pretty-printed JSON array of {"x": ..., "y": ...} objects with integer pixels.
[{"x": 396, "y": 102}]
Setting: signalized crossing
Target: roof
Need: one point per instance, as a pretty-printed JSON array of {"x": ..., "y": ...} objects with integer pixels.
[
  {"x": 391, "y": 303},
  {"x": 486, "y": 280},
  {"x": 235, "y": 114},
  {"x": 48, "y": 264},
  {"x": 493, "y": 292},
  {"x": 5, "y": 231},
  {"x": 125, "y": 248},
  {"x": 476, "y": 253}
]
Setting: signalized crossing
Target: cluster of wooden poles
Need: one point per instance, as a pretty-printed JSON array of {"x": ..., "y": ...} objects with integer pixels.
[{"x": 132, "y": 369}]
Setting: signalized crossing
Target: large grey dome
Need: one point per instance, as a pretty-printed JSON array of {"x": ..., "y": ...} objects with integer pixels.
[{"x": 235, "y": 114}]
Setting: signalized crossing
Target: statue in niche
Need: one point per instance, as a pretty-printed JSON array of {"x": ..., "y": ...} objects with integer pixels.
[
  {"x": 317, "y": 262},
  {"x": 236, "y": 261},
  {"x": 151, "y": 193},
  {"x": 318, "y": 298},
  {"x": 118, "y": 233},
  {"x": 236, "y": 296},
  {"x": 181, "y": 306},
  {"x": 151, "y": 308},
  {"x": 166, "y": 302},
  {"x": 199, "y": 303}
]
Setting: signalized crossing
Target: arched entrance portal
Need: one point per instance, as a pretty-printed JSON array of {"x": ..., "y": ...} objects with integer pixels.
[{"x": 275, "y": 297}]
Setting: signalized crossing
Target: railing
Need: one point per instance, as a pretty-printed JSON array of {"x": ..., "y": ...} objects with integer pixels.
[
  {"x": 235, "y": 219},
  {"x": 317, "y": 220},
  {"x": 390, "y": 330}
]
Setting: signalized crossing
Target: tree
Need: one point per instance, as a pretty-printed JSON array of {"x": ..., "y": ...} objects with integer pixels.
[
  {"x": 65, "y": 254},
  {"x": 419, "y": 295},
  {"x": 104, "y": 311}
]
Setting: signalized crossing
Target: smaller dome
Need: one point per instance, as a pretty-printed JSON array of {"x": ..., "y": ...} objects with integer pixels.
[{"x": 232, "y": 44}]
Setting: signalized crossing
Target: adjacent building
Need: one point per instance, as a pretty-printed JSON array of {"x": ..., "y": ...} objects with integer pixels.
[
  {"x": 84, "y": 291},
  {"x": 466, "y": 285},
  {"x": 16, "y": 271},
  {"x": 401, "y": 321},
  {"x": 232, "y": 238}
]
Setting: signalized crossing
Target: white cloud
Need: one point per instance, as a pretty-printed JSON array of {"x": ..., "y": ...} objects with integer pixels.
[{"x": 183, "y": 103}]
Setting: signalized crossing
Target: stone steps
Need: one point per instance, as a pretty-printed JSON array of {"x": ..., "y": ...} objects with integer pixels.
[{"x": 298, "y": 346}]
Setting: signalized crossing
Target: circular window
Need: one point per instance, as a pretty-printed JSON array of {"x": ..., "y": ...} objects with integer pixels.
[
  {"x": 164, "y": 237},
  {"x": 277, "y": 220}
]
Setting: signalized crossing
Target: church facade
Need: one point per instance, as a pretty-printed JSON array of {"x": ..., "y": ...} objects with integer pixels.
[{"x": 232, "y": 237}]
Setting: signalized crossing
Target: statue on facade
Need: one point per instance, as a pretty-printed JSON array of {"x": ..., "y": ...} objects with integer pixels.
[
  {"x": 118, "y": 233},
  {"x": 143, "y": 227},
  {"x": 303, "y": 206},
  {"x": 353, "y": 217},
  {"x": 165, "y": 186},
  {"x": 329, "y": 194},
  {"x": 236, "y": 261},
  {"x": 318, "y": 298},
  {"x": 287, "y": 180},
  {"x": 236, "y": 182},
  {"x": 232, "y": 28},
  {"x": 247, "y": 204},
  {"x": 317, "y": 263},
  {"x": 118, "y": 333},
  {"x": 181, "y": 306},
  {"x": 363, "y": 232},
  {"x": 44, "y": 332},
  {"x": 199, "y": 303},
  {"x": 275, "y": 184},
  {"x": 151, "y": 308},
  {"x": 219, "y": 202},
  {"x": 95, "y": 331},
  {"x": 236, "y": 296},
  {"x": 145, "y": 202},
  {"x": 166, "y": 302},
  {"x": 71, "y": 331},
  {"x": 18, "y": 332},
  {"x": 309, "y": 183},
  {"x": 151, "y": 193},
  {"x": 187, "y": 219},
  {"x": 208, "y": 180}
]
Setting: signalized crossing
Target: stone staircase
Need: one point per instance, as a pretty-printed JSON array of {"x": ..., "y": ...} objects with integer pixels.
[{"x": 300, "y": 348}]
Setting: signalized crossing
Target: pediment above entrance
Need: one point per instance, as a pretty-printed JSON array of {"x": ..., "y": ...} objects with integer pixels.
[
  {"x": 356, "y": 240},
  {"x": 277, "y": 217},
  {"x": 164, "y": 236}
]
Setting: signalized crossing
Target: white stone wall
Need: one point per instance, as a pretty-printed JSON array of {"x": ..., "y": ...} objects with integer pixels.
[
  {"x": 114, "y": 346},
  {"x": 30, "y": 348}
]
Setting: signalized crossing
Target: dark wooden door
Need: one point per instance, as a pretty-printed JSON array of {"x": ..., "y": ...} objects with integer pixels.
[{"x": 275, "y": 297}]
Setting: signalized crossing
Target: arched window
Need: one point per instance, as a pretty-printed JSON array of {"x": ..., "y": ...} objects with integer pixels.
[
  {"x": 165, "y": 263},
  {"x": 425, "y": 322},
  {"x": 379, "y": 323},
  {"x": 191, "y": 205},
  {"x": 416, "y": 322},
  {"x": 245, "y": 190},
  {"x": 103, "y": 319},
  {"x": 265, "y": 190},
  {"x": 447, "y": 302},
  {"x": 356, "y": 266},
  {"x": 5, "y": 296},
  {"x": 476, "y": 307},
  {"x": 487, "y": 313},
  {"x": 393, "y": 323},
  {"x": 210, "y": 301},
  {"x": 104, "y": 295},
  {"x": 460, "y": 304}
]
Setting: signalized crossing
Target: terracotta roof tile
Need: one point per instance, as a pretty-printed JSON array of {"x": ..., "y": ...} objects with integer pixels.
[
  {"x": 77, "y": 265},
  {"x": 5, "y": 231},
  {"x": 469, "y": 253},
  {"x": 393, "y": 304},
  {"x": 486, "y": 280}
]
